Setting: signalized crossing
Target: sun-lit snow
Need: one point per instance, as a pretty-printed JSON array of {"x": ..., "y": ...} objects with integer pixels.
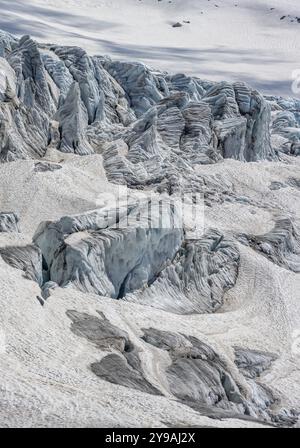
[{"x": 225, "y": 39}]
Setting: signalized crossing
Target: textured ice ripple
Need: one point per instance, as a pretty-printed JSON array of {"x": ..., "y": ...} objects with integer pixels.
[
  {"x": 197, "y": 279},
  {"x": 281, "y": 245},
  {"x": 152, "y": 130}
]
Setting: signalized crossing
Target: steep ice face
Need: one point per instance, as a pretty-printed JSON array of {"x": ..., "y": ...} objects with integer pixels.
[
  {"x": 143, "y": 88},
  {"x": 145, "y": 265},
  {"x": 26, "y": 258},
  {"x": 28, "y": 104},
  {"x": 196, "y": 280},
  {"x": 72, "y": 121}
]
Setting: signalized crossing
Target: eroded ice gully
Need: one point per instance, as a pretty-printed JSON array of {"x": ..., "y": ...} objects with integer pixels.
[{"x": 209, "y": 319}]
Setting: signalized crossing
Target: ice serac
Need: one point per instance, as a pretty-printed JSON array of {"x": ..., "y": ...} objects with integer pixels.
[
  {"x": 107, "y": 261},
  {"x": 123, "y": 368},
  {"x": 73, "y": 120},
  {"x": 9, "y": 222},
  {"x": 7, "y": 42},
  {"x": 242, "y": 121},
  {"x": 61, "y": 97},
  {"x": 252, "y": 362},
  {"x": 197, "y": 279},
  {"x": 28, "y": 104},
  {"x": 185, "y": 368},
  {"x": 285, "y": 128},
  {"x": 187, "y": 327},
  {"x": 248, "y": 113}
]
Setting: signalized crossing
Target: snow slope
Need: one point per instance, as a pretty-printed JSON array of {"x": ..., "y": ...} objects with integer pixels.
[
  {"x": 106, "y": 326},
  {"x": 226, "y": 39}
]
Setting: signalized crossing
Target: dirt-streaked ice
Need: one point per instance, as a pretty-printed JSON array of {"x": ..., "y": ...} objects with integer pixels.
[{"x": 108, "y": 320}]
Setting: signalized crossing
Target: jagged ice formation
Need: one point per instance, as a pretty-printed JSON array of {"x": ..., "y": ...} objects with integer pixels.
[{"x": 201, "y": 322}]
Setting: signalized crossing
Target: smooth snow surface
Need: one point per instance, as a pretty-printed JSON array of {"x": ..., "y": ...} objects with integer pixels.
[{"x": 243, "y": 40}]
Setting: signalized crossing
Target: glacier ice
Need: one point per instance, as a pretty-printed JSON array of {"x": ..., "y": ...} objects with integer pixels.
[{"x": 157, "y": 134}]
